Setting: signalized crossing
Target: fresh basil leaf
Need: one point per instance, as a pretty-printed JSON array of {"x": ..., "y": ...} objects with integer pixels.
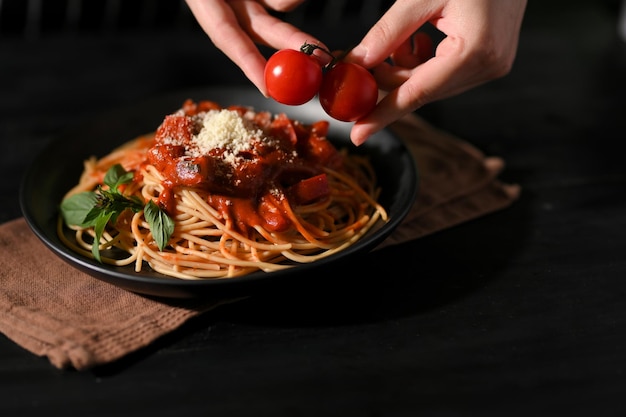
[
  {"x": 93, "y": 214},
  {"x": 97, "y": 209},
  {"x": 116, "y": 176},
  {"x": 99, "y": 226},
  {"x": 161, "y": 225},
  {"x": 118, "y": 202},
  {"x": 76, "y": 209}
]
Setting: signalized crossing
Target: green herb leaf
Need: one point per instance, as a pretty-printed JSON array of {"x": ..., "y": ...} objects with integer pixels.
[
  {"x": 99, "y": 226},
  {"x": 99, "y": 208},
  {"x": 93, "y": 214},
  {"x": 161, "y": 225},
  {"x": 116, "y": 176},
  {"x": 76, "y": 209},
  {"x": 116, "y": 202}
]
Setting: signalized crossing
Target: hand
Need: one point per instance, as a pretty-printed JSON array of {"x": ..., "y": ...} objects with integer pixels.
[
  {"x": 480, "y": 44},
  {"x": 236, "y": 26}
]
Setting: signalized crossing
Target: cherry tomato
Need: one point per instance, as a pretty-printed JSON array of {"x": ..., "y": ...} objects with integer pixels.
[
  {"x": 292, "y": 77},
  {"x": 424, "y": 46},
  {"x": 348, "y": 92}
]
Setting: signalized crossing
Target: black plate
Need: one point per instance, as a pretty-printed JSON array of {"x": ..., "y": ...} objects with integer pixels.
[{"x": 59, "y": 166}]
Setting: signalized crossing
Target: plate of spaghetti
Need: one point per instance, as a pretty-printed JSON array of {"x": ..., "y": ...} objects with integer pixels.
[{"x": 214, "y": 191}]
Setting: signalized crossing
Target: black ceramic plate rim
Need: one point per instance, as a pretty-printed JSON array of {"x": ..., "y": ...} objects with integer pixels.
[{"x": 39, "y": 202}]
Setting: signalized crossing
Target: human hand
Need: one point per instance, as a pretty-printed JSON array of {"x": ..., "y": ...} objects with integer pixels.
[
  {"x": 480, "y": 44},
  {"x": 236, "y": 26}
]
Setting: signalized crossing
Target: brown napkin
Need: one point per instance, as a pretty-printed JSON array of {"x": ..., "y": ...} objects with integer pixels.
[{"x": 76, "y": 321}]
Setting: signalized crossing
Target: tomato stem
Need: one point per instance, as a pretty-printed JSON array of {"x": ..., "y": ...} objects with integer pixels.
[
  {"x": 309, "y": 48},
  {"x": 338, "y": 58}
]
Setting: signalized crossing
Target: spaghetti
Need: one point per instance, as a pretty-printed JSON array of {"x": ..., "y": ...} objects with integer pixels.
[{"x": 246, "y": 191}]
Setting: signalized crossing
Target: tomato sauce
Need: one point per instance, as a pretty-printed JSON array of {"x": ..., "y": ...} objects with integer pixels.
[{"x": 248, "y": 185}]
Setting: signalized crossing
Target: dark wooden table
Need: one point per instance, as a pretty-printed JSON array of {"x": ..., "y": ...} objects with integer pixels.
[{"x": 521, "y": 312}]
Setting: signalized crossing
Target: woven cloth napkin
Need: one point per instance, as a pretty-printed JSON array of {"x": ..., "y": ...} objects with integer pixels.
[{"x": 75, "y": 321}]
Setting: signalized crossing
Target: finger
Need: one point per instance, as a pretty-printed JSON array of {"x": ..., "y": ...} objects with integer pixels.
[
  {"x": 220, "y": 23},
  {"x": 397, "y": 25},
  {"x": 389, "y": 77},
  {"x": 268, "y": 30},
  {"x": 447, "y": 74},
  {"x": 476, "y": 49},
  {"x": 281, "y": 5}
]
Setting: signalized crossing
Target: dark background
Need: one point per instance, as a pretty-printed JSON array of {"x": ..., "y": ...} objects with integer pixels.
[{"x": 517, "y": 313}]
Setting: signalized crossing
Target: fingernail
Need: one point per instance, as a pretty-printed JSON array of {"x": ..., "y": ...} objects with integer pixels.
[{"x": 358, "y": 141}]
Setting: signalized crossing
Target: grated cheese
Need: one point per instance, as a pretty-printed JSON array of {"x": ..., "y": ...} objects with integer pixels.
[{"x": 225, "y": 129}]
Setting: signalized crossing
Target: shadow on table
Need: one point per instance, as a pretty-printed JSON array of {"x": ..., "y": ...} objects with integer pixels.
[
  {"x": 416, "y": 278},
  {"x": 405, "y": 280}
]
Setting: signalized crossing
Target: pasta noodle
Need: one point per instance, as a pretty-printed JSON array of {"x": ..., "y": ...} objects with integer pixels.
[{"x": 247, "y": 191}]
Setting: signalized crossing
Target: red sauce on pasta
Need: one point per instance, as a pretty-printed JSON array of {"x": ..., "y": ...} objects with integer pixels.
[{"x": 246, "y": 183}]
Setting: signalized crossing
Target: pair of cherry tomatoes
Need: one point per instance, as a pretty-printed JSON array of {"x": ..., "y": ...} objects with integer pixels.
[{"x": 346, "y": 91}]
